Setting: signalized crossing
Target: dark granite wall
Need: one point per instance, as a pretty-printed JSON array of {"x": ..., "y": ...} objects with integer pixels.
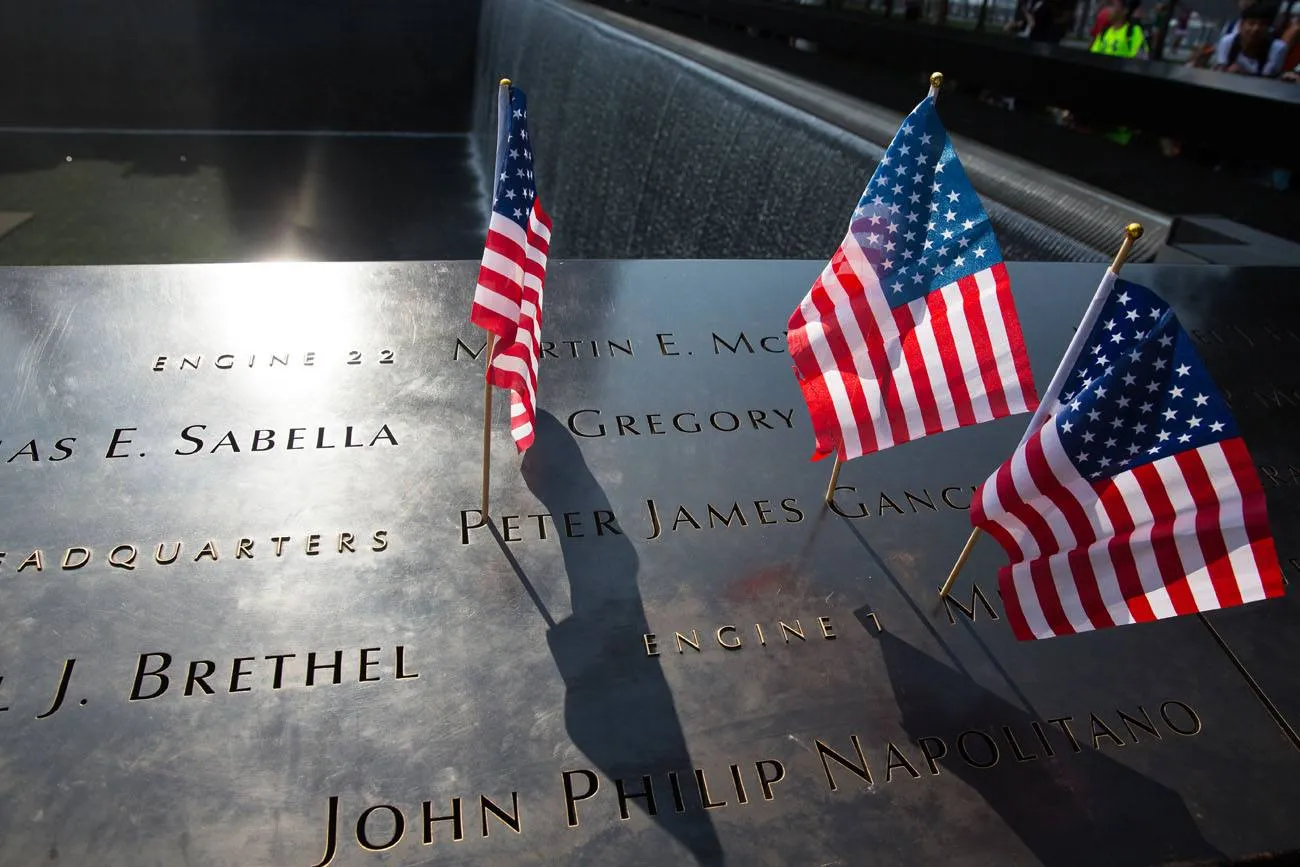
[
  {"x": 285, "y": 64},
  {"x": 644, "y": 154}
]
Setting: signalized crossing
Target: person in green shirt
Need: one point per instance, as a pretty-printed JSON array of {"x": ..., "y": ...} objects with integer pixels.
[{"x": 1124, "y": 36}]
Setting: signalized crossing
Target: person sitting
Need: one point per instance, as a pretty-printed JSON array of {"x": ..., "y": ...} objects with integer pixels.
[
  {"x": 1124, "y": 36},
  {"x": 1230, "y": 27},
  {"x": 1252, "y": 50}
]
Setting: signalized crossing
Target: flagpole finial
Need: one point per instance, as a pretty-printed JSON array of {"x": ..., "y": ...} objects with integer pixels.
[
  {"x": 1132, "y": 232},
  {"x": 505, "y": 82},
  {"x": 936, "y": 82}
]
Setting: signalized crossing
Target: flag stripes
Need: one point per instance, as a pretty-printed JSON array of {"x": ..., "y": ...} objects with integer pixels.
[
  {"x": 508, "y": 302},
  {"x": 950, "y": 358},
  {"x": 1180, "y": 535},
  {"x": 910, "y": 328}
]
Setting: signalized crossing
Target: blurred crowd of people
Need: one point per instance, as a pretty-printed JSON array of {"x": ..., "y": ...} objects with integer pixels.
[
  {"x": 1262, "y": 40},
  {"x": 1257, "y": 42}
]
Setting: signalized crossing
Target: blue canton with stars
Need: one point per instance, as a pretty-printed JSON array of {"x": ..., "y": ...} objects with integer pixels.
[
  {"x": 1139, "y": 392},
  {"x": 919, "y": 221},
  {"x": 515, "y": 187}
]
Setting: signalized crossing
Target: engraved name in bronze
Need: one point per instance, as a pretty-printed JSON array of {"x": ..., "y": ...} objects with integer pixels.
[
  {"x": 200, "y": 439},
  {"x": 732, "y": 637},
  {"x": 988, "y": 745},
  {"x": 595, "y": 423},
  {"x": 658, "y": 520},
  {"x": 1271, "y": 476},
  {"x": 664, "y": 344},
  {"x": 130, "y": 556},
  {"x": 847, "y": 765},
  {"x": 158, "y": 673},
  {"x": 234, "y": 362}
]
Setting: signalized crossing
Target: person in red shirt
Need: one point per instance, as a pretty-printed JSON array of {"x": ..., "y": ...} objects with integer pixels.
[{"x": 1105, "y": 15}]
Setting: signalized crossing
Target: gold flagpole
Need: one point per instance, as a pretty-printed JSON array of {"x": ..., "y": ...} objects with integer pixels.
[
  {"x": 1132, "y": 232},
  {"x": 961, "y": 561},
  {"x": 502, "y": 104},
  {"x": 936, "y": 82},
  {"x": 487, "y": 423},
  {"x": 835, "y": 477}
]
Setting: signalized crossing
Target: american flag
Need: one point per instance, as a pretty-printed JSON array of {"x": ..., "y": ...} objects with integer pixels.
[
  {"x": 508, "y": 298},
  {"x": 1137, "y": 500},
  {"x": 911, "y": 329}
]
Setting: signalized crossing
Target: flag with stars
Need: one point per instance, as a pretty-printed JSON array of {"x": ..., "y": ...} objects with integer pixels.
[
  {"x": 508, "y": 297},
  {"x": 1137, "y": 500},
  {"x": 910, "y": 329}
]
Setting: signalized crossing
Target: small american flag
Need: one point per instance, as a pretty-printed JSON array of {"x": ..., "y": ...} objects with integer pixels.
[
  {"x": 911, "y": 329},
  {"x": 1137, "y": 500},
  {"x": 508, "y": 298}
]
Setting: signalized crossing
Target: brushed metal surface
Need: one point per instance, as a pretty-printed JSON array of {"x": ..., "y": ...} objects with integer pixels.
[{"x": 530, "y": 654}]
